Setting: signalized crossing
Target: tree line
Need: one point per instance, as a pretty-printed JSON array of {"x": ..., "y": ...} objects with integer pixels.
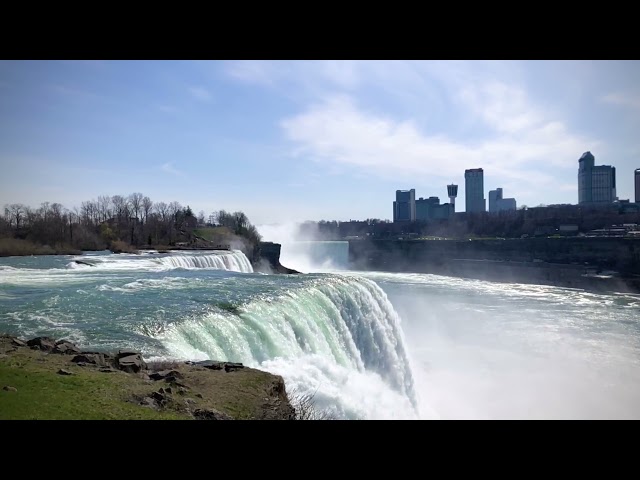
[{"x": 134, "y": 219}]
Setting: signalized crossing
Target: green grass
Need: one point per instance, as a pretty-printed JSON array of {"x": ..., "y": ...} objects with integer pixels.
[
  {"x": 212, "y": 233},
  {"x": 42, "y": 394}
]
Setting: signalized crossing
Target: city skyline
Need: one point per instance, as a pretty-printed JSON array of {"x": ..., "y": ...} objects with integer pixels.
[{"x": 336, "y": 135}]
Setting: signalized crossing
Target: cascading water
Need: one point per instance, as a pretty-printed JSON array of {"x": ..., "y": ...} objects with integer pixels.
[
  {"x": 233, "y": 261},
  {"x": 338, "y": 329}
]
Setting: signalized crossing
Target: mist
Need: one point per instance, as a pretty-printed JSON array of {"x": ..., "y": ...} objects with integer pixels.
[
  {"x": 306, "y": 253},
  {"x": 504, "y": 351}
]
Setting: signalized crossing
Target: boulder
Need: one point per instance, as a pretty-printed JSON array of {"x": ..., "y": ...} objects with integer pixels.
[
  {"x": 64, "y": 372},
  {"x": 18, "y": 343},
  {"x": 232, "y": 367},
  {"x": 45, "y": 344},
  {"x": 159, "y": 397},
  {"x": 164, "y": 374},
  {"x": 8, "y": 388},
  {"x": 149, "y": 402},
  {"x": 210, "y": 364},
  {"x": 210, "y": 414},
  {"x": 132, "y": 363},
  {"x": 213, "y": 365},
  {"x": 92, "y": 358},
  {"x": 66, "y": 348}
]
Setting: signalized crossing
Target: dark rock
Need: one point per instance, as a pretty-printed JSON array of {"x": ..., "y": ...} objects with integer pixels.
[
  {"x": 232, "y": 367},
  {"x": 88, "y": 358},
  {"x": 159, "y": 397},
  {"x": 42, "y": 343},
  {"x": 18, "y": 343},
  {"x": 64, "y": 372},
  {"x": 164, "y": 374},
  {"x": 66, "y": 348},
  {"x": 149, "y": 402},
  {"x": 130, "y": 362},
  {"x": 182, "y": 390},
  {"x": 126, "y": 353},
  {"x": 210, "y": 364},
  {"x": 107, "y": 370},
  {"x": 199, "y": 395},
  {"x": 213, "y": 365},
  {"x": 210, "y": 414},
  {"x": 174, "y": 381},
  {"x": 7, "y": 388}
]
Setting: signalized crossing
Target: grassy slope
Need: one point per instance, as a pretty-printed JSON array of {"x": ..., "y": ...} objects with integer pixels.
[
  {"x": 91, "y": 394},
  {"x": 87, "y": 395}
]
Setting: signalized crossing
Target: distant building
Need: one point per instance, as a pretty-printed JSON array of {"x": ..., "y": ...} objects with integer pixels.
[
  {"x": 474, "y": 190},
  {"x": 499, "y": 204},
  {"x": 452, "y": 191},
  {"x": 429, "y": 209},
  {"x": 404, "y": 208},
  {"x": 596, "y": 183},
  {"x": 637, "y": 181}
]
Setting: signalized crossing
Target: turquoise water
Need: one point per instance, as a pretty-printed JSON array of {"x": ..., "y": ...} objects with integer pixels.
[{"x": 371, "y": 345}]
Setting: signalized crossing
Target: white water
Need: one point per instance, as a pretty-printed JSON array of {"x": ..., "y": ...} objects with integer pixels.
[
  {"x": 406, "y": 346},
  {"x": 338, "y": 337}
]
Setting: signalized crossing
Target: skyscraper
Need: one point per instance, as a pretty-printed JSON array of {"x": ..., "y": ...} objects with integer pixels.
[
  {"x": 637, "y": 178},
  {"x": 474, "y": 190},
  {"x": 596, "y": 183},
  {"x": 499, "y": 204},
  {"x": 452, "y": 191},
  {"x": 404, "y": 208}
]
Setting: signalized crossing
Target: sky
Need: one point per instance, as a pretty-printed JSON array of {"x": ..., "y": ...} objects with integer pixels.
[{"x": 311, "y": 140}]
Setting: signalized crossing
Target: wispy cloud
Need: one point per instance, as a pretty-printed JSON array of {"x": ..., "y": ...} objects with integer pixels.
[
  {"x": 168, "y": 168},
  {"x": 200, "y": 93},
  {"x": 630, "y": 100},
  {"x": 523, "y": 139}
]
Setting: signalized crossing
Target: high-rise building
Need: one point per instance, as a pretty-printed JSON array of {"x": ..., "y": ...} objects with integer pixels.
[
  {"x": 596, "y": 183},
  {"x": 428, "y": 209},
  {"x": 452, "y": 191},
  {"x": 474, "y": 190},
  {"x": 499, "y": 204},
  {"x": 404, "y": 208},
  {"x": 637, "y": 179}
]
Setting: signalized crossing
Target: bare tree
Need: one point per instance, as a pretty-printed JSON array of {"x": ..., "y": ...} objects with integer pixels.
[
  {"x": 135, "y": 200},
  {"x": 104, "y": 207},
  {"x": 147, "y": 205},
  {"x": 16, "y": 214}
]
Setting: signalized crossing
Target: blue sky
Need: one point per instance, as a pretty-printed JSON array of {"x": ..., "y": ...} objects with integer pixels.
[{"x": 311, "y": 140}]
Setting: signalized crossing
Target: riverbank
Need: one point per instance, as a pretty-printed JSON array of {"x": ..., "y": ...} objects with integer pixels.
[
  {"x": 46, "y": 379},
  {"x": 10, "y": 247}
]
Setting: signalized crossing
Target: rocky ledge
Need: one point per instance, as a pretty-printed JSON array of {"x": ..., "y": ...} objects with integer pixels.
[{"x": 45, "y": 378}]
